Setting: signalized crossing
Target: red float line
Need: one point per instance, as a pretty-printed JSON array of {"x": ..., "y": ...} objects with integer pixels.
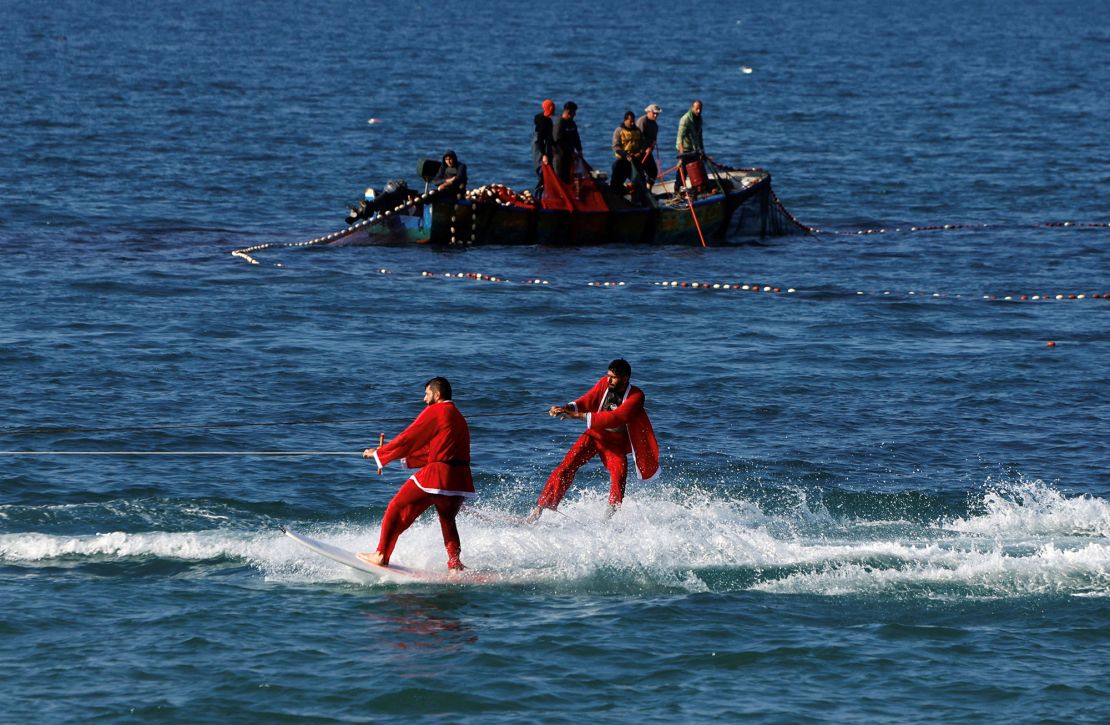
[
  {"x": 1047, "y": 297},
  {"x": 466, "y": 275}
]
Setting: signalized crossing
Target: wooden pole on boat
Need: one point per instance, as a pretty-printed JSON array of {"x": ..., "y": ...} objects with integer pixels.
[{"x": 680, "y": 177}]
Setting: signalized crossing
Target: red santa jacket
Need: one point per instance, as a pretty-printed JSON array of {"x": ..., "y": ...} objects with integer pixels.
[
  {"x": 630, "y": 414},
  {"x": 438, "y": 443}
]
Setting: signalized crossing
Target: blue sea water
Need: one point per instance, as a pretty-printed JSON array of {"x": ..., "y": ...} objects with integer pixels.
[{"x": 885, "y": 497}]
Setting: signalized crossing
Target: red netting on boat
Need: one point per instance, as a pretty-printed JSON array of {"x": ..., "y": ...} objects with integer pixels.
[{"x": 581, "y": 194}]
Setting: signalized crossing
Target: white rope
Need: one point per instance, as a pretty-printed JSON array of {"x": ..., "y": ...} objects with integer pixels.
[
  {"x": 180, "y": 453},
  {"x": 246, "y": 252}
]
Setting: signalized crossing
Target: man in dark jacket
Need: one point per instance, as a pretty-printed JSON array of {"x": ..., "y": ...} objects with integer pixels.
[
  {"x": 650, "y": 128},
  {"x": 567, "y": 142},
  {"x": 451, "y": 177},
  {"x": 543, "y": 142}
]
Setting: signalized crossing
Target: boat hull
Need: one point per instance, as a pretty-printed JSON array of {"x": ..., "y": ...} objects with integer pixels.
[{"x": 747, "y": 210}]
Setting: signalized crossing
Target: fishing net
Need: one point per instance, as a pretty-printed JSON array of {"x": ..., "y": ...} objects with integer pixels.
[{"x": 581, "y": 194}]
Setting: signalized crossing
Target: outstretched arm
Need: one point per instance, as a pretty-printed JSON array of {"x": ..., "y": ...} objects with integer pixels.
[{"x": 409, "y": 442}]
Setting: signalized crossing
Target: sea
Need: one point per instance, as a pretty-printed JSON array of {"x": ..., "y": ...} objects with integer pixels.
[{"x": 884, "y": 496}]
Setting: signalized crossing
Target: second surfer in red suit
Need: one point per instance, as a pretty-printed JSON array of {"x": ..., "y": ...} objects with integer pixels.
[
  {"x": 616, "y": 425},
  {"x": 438, "y": 443}
]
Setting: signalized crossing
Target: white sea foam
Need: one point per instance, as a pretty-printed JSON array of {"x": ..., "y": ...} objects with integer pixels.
[
  {"x": 951, "y": 573},
  {"x": 1033, "y": 508},
  {"x": 1029, "y": 539},
  {"x": 189, "y": 546}
]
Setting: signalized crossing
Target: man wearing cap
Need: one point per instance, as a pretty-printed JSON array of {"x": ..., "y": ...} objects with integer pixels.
[
  {"x": 543, "y": 142},
  {"x": 650, "y": 129},
  {"x": 451, "y": 177}
]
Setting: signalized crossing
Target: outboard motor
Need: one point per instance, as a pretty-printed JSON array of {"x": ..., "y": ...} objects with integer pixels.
[
  {"x": 427, "y": 170},
  {"x": 395, "y": 192}
]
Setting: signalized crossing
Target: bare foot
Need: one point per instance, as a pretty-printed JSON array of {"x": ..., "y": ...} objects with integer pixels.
[
  {"x": 372, "y": 557},
  {"x": 533, "y": 515}
]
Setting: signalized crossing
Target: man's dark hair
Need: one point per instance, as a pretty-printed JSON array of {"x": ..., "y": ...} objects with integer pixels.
[
  {"x": 621, "y": 367},
  {"x": 628, "y": 115},
  {"x": 441, "y": 386},
  {"x": 570, "y": 106}
]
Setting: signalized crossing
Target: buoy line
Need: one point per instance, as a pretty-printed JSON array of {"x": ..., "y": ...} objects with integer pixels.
[
  {"x": 702, "y": 285},
  {"x": 951, "y": 227},
  {"x": 246, "y": 253}
]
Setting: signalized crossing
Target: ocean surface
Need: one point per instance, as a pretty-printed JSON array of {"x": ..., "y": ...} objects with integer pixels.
[{"x": 885, "y": 495}]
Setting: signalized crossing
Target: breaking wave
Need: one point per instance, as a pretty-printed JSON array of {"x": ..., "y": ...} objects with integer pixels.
[{"x": 1025, "y": 539}]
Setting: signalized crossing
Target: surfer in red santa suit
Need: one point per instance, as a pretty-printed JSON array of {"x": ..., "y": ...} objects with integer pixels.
[
  {"x": 616, "y": 425},
  {"x": 438, "y": 443}
]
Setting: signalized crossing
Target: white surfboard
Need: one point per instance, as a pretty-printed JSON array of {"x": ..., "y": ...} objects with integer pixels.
[{"x": 393, "y": 572}]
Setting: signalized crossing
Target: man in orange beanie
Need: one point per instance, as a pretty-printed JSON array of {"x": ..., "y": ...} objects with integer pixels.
[{"x": 543, "y": 142}]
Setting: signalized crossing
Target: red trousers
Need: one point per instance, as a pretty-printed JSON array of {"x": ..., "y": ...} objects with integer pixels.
[
  {"x": 585, "y": 448},
  {"x": 407, "y": 506}
]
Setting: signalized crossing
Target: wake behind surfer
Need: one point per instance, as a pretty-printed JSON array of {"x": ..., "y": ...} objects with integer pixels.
[
  {"x": 438, "y": 443},
  {"x": 616, "y": 425}
]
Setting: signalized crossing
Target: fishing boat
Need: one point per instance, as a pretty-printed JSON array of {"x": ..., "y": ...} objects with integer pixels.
[{"x": 703, "y": 204}]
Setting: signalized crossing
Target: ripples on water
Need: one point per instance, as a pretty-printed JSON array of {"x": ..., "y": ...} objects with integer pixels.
[{"x": 884, "y": 496}]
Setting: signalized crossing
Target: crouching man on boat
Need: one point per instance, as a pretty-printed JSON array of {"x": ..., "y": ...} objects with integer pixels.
[
  {"x": 628, "y": 148},
  {"x": 616, "y": 425},
  {"x": 450, "y": 180},
  {"x": 438, "y": 443}
]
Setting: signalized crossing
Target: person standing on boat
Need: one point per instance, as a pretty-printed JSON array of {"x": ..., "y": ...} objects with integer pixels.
[
  {"x": 568, "y": 145},
  {"x": 689, "y": 142},
  {"x": 628, "y": 147},
  {"x": 650, "y": 128},
  {"x": 450, "y": 180},
  {"x": 543, "y": 142},
  {"x": 437, "y": 442},
  {"x": 616, "y": 425}
]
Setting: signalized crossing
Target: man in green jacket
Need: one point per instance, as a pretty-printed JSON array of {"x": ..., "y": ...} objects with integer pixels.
[
  {"x": 689, "y": 131},
  {"x": 690, "y": 148}
]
